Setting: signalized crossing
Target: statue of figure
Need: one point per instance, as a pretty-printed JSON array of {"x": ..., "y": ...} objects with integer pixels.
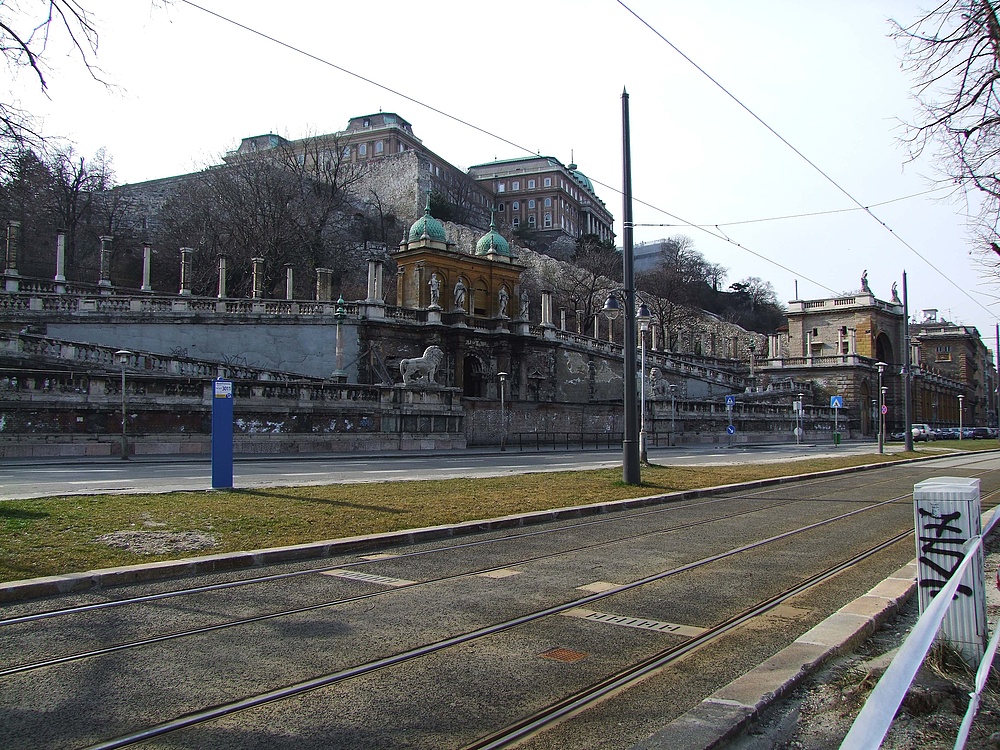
[
  {"x": 895, "y": 294},
  {"x": 459, "y": 295},
  {"x": 864, "y": 281},
  {"x": 435, "y": 285},
  {"x": 504, "y": 298},
  {"x": 525, "y": 306}
]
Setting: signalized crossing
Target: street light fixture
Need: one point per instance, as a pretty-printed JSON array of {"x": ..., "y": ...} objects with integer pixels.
[
  {"x": 122, "y": 355},
  {"x": 961, "y": 398},
  {"x": 881, "y": 405},
  {"x": 885, "y": 390},
  {"x": 503, "y": 412},
  {"x": 642, "y": 317},
  {"x": 673, "y": 412},
  {"x": 340, "y": 313}
]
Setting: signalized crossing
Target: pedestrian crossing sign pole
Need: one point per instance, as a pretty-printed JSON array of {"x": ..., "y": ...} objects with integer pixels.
[{"x": 836, "y": 403}]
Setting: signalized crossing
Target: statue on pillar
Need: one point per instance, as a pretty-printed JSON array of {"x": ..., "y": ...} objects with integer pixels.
[
  {"x": 895, "y": 295},
  {"x": 864, "y": 282},
  {"x": 435, "y": 286},
  {"x": 504, "y": 299},
  {"x": 459, "y": 295}
]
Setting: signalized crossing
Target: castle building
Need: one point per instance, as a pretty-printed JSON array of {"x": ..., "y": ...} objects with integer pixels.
[{"x": 542, "y": 195}]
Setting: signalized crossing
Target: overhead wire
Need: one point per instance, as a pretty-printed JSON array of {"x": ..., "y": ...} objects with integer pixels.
[{"x": 801, "y": 155}]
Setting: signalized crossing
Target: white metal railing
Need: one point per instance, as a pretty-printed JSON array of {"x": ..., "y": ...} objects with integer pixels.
[{"x": 872, "y": 724}]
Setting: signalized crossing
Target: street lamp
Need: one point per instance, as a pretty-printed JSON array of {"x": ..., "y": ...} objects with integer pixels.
[
  {"x": 642, "y": 317},
  {"x": 961, "y": 398},
  {"x": 673, "y": 412},
  {"x": 799, "y": 420},
  {"x": 122, "y": 356},
  {"x": 503, "y": 412},
  {"x": 881, "y": 404},
  {"x": 630, "y": 447},
  {"x": 885, "y": 390},
  {"x": 341, "y": 312},
  {"x": 752, "y": 346}
]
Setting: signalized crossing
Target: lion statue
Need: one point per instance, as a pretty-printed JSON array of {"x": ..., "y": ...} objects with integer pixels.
[{"x": 422, "y": 367}]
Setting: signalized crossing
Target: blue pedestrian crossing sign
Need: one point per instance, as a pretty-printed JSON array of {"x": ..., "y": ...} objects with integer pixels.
[
  {"x": 836, "y": 402},
  {"x": 730, "y": 400}
]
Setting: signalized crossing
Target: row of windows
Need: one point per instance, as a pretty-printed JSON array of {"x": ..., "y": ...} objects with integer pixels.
[
  {"x": 533, "y": 221},
  {"x": 515, "y": 185},
  {"x": 516, "y": 205}
]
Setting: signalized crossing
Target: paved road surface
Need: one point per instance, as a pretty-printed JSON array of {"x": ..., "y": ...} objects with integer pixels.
[{"x": 25, "y": 479}]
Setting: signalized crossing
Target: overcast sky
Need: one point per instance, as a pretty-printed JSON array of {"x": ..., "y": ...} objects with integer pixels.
[{"x": 482, "y": 81}]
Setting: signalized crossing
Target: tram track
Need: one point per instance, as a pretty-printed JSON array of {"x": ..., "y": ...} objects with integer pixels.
[{"x": 323, "y": 681}]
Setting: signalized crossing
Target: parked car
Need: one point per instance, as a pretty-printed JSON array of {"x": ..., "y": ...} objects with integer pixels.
[
  {"x": 922, "y": 432},
  {"x": 980, "y": 433},
  {"x": 946, "y": 433}
]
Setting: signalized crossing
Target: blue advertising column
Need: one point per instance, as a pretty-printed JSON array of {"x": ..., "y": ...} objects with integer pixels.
[{"x": 222, "y": 434}]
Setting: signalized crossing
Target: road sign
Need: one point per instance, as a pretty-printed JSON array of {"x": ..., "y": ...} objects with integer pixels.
[
  {"x": 836, "y": 402},
  {"x": 731, "y": 430},
  {"x": 885, "y": 409},
  {"x": 730, "y": 400}
]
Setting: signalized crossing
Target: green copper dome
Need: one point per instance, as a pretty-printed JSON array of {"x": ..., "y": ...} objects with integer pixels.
[
  {"x": 429, "y": 226},
  {"x": 493, "y": 242}
]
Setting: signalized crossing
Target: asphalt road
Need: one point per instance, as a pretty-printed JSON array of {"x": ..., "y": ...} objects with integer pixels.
[{"x": 37, "y": 478}]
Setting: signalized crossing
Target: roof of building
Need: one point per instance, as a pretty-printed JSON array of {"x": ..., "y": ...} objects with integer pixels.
[
  {"x": 493, "y": 242},
  {"x": 427, "y": 226}
]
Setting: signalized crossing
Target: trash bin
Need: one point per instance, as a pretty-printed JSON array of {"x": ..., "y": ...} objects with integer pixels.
[{"x": 836, "y": 438}]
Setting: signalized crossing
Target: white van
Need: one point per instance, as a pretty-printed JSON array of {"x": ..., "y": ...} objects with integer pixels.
[{"x": 922, "y": 432}]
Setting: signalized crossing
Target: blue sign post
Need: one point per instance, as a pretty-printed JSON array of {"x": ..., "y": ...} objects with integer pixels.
[
  {"x": 222, "y": 434},
  {"x": 836, "y": 403}
]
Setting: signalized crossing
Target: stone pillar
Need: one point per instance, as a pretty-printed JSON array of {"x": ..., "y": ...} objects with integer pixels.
[
  {"x": 11, "y": 282},
  {"x": 258, "y": 278},
  {"x": 289, "y": 289},
  {"x": 562, "y": 318},
  {"x": 147, "y": 264},
  {"x": 105, "y": 280},
  {"x": 808, "y": 344},
  {"x": 373, "y": 272},
  {"x": 222, "y": 276},
  {"x": 379, "y": 280},
  {"x": 579, "y": 322},
  {"x": 546, "y": 308},
  {"x": 186, "y": 253},
  {"x": 60, "y": 255},
  {"x": 597, "y": 326},
  {"x": 852, "y": 338},
  {"x": 324, "y": 285}
]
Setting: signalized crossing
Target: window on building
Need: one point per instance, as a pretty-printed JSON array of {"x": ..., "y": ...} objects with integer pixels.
[
  {"x": 547, "y": 220},
  {"x": 515, "y": 206},
  {"x": 362, "y": 149},
  {"x": 548, "y": 203},
  {"x": 346, "y": 152},
  {"x": 515, "y": 222},
  {"x": 531, "y": 221},
  {"x": 366, "y": 123},
  {"x": 402, "y": 147},
  {"x": 531, "y": 203},
  {"x": 379, "y": 147},
  {"x": 515, "y": 185},
  {"x": 531, "y": 184},
  {"x": 390, "y": 120},
  {"x": 500, "y": 208},
  {"x": 942, "y": 353},
  {"x": 547, "y": 182},
  {"x": 501, "y": 187},
  {"x": 300, "y": 159}
]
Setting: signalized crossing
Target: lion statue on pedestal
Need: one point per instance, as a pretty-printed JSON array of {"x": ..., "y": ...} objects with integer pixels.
[{"x": 422, "y": 368}]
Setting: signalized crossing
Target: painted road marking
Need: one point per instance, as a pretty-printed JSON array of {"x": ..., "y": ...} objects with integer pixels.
[
  {"x": 634, "y": 622},
  {"x": 354, "y": 575}
]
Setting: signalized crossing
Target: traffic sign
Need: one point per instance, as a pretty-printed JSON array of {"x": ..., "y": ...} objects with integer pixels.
[
  {"x": 885, "y": 409},
  {"x": 730, "y": 400},
  {"x": 836, "y": 402},
  {"x": 731, "y": 430}
]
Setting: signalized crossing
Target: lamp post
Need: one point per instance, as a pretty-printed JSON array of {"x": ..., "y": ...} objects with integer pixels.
[
  {"x": 961, "y": 398},
  {"x": 630, "y": 446},
  {"x": 881, "y": 403},
  {"x": 341, "y": 312},
  {"x": 642, "y": 317},
  {"x": 122, "y": 356},
  {"x": 885, "y": 390},
  {"x": 503, "y": 412},
  {"x": 799, "y": 420},
  {"x": 752, "y": 346},
  {"x": 673, "y": 412}
]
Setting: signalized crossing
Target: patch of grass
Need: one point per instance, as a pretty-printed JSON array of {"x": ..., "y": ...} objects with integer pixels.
[{"x": 57, "y": 535}]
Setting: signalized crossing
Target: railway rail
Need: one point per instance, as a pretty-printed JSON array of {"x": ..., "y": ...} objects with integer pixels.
[{"x": 468, "y": 644}]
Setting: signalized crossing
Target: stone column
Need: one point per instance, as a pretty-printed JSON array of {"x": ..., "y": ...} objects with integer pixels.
[
  {"x": 324, "y": 285},
  {"x": 147, "y": 264},
  {"x": 11, "y": 282},
  {"x": 373, "y": 267},
  {"x": 105, "y": 280},
  {"x": 852, "y": 337},
  {"x": 546, "y": 308},
  {"x": 258, "y": 278},
  {"x": 597, "y": 326},
  {"x": 60, "y": 255},
  {"x": 222, "y": 276},
  {"x": 289, "y": 289},
  {"x": 186, "y": 253},
  {"x": 562, "y": 318}
]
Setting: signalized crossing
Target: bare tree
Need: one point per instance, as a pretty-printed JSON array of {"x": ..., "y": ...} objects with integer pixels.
[
  {"x": 954, "y": 53},
  {"x": 675, "y": 285}
]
